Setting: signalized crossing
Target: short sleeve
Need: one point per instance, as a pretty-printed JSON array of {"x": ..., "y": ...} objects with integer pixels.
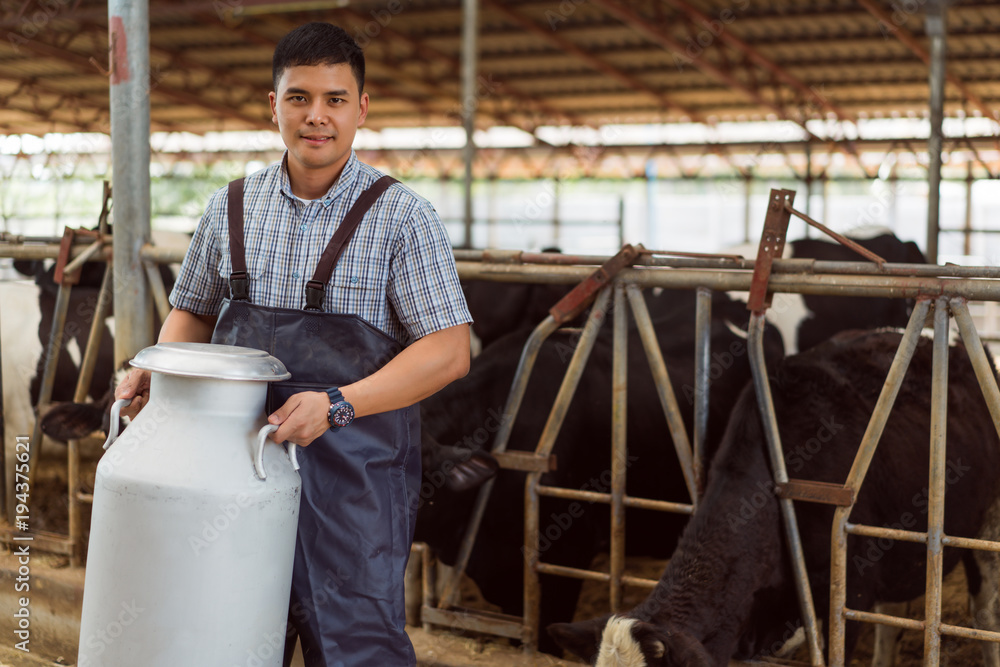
[
  {"x": 423, "y": 286},
  {"x": 199, "y": 287}
]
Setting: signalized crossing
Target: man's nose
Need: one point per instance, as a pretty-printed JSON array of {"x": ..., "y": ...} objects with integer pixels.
[{"x": 317, "y": 114}]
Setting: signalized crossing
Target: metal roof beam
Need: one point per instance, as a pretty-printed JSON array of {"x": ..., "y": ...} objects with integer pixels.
[
  {"x": 636, "y": 22},
  {"x": 727, "y": 37},
  {"x": 454, "y": 66},
  {"x": 911, "y": 42},
  {"x": 593, "y": 61},
  {"x": 83, "y": 65}
]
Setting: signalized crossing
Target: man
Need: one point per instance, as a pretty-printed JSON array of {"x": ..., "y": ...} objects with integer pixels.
[{"x": 384, "y": 326}]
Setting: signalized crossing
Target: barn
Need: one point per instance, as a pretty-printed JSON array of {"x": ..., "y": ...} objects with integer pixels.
[{"x": 671, "y": 220}]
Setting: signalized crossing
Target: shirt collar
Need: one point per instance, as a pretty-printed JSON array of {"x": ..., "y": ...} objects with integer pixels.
[{"x": 343, "y": 183}]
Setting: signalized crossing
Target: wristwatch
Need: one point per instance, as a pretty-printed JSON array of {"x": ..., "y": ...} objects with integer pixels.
[{"x": 341, "y": 412}]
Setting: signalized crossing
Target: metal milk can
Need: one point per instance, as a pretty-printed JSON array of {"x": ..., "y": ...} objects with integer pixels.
[{"x": 194, "y": 519}]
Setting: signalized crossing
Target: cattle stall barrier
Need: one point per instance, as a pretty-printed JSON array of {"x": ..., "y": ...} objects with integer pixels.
[
  {"x": 953, "y": 285},
  {"x": 682, "y": 271}
]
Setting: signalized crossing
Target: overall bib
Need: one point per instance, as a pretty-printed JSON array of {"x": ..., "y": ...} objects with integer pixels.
[{"x": 356, "y": 518}]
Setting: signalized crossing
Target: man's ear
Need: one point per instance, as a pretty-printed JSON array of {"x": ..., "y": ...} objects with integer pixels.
[
  {"x": 581, "y": 639},
  {"x": 363, "y": 113},
  {"x": 273, "y": 99}
]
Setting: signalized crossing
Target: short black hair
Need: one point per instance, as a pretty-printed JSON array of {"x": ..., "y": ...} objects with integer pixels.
[{"x": 318, "y": 43}]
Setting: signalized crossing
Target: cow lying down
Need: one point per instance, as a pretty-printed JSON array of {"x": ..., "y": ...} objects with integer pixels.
[{"x": 728, "y": 590}]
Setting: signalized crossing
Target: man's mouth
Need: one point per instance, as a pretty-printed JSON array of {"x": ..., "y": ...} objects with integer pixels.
[{"x": 316, "y": 139}]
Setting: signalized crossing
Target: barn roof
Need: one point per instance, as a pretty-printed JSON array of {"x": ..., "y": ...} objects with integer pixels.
[{"x": 542, "y": 62}]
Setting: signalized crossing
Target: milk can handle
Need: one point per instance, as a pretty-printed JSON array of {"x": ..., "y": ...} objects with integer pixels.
[
  {"x": 116, "y": 409},
  {"x": 258, "y": 461}
]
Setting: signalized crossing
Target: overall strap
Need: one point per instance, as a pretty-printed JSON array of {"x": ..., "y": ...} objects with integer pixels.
[
  {"x": 316, "y": 288},
  {"x": 239, "y": 285}
]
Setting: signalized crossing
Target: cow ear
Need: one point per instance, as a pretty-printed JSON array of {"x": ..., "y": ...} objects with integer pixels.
[
  {"x": 472, "y": 472},
  {"x": 72, "y": 421},
  {"x": 672, "y": 647},
  {"x": 581, "y": 639}
]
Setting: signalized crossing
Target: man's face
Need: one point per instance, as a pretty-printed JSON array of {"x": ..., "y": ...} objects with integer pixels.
[{"x": 318, "y": 110}]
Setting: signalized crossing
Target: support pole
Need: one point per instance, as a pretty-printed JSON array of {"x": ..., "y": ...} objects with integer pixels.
[
  {"x": 938, "y": 468},
  {"x": 747, "y": 189},
  {"x": 936, "y": 33},
  {"x": 556, "y": 240},
  {"x": 809, "y": 185},
  {"x": 619, "y": 443},
  {"x": 470, "y": 49},
  {"x": 967, "y": 233},
  {"x": 128, "y": 26}
]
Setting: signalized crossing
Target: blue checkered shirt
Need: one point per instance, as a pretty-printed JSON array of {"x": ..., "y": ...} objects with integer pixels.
[{"x": 397, "y": 272}]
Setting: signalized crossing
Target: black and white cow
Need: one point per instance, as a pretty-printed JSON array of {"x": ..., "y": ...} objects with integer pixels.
[
  {"x": 459, "y": 424},
  {"x": 728, "y": 591}
]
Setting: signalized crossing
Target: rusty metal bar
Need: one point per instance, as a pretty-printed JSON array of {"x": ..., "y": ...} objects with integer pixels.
[
  {"x": 574, "y": 303},
  {"x": 518, "y": 387},
  {"x": 843, "y": 240},
  {"x": 544, "y": 448},
  {"x": 772, "y": 244},
  {"x": 525, "y": 462},
  {"x": 715, "y": 261},
  {"x": 921, "y": 538},
  {"x": 888, "y": 285},
  {"x": 935, "y": 515},
  {"x": 970, "y": 633},
  {"x": 816, "y": 492},
  {"x": 429, "y": 580},
  {"x": 87, "y": 255},
  {"x": 413, "y": 582},
  {"x": 838, "y": 540},
  {"x": 702, "y": 384},
  {"x": 597, "y": 497},
  {"x": 162, "y": 255},
  {"x": 977, "y": 355},
  {"x": 884, "y": 619},
  {"x": 52, "y": 543},
  {"x": 591, "y": 575},
  {"x": 87, "y": 365},
  {"x": 665, "y": 390},
  {"x": 49, "y": 373},
  {"x": 887, "y": 397},
  {"x": 157, "y": 288},
  {"x": 49, "y": 250},
  {"x": 619, "y": 442},
  {"x": 765, "y": 405},
  {"x": 475, "y": 620}
]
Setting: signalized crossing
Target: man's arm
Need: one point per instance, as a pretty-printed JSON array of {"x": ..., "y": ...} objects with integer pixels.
[
  {"x": 423, "y": 368},
  {"x": 180, "y": 326}
]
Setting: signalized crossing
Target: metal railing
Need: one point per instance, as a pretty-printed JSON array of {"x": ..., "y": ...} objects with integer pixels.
[{"x": 949, "y": 286}]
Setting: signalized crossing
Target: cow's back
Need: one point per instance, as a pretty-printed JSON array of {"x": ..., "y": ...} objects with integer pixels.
[{"x": 824, "y": 398}]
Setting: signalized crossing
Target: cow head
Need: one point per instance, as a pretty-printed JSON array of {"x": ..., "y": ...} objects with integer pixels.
[
  {"x": 620, "y": 641},
  {"x": 459, "y": 469}
]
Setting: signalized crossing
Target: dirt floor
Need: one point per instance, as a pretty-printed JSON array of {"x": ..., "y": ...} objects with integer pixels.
[{"x": 437, "y": 648}]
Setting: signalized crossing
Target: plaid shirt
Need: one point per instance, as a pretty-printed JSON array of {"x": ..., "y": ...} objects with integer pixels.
[{"x": 397, "y": 272}]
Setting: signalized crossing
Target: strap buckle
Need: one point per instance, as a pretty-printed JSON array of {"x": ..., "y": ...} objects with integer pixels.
[
  {"x": 315, "y": 291},
  {"x": 239, "y": 286}
]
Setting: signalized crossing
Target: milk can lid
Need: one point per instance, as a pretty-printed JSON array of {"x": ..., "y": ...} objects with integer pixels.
[{"x": 207, "y": 360}]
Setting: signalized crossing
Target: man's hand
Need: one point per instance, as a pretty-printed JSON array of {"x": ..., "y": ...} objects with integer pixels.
[
  {"x": 302, "y": 418},
  {"x": 134, "y": 386}
]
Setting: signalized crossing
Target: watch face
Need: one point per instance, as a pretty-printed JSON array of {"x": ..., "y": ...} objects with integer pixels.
[{"x": 342, "y": 414}]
